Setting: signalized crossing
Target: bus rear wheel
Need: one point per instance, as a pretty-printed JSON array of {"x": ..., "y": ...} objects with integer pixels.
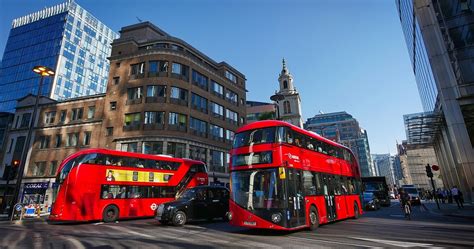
[
  {"x": 110, "y": 214},
  {"x": 313, "y": 219},
  {"x": 356, "y": 211}
]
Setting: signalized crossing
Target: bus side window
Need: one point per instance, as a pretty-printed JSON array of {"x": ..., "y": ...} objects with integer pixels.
[
  {"x": 308, "y": 186},
  {"x": 344, "y": 185}
]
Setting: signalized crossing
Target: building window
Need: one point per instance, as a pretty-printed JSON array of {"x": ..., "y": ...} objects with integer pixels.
[
  {"x": 176, "y": 149},
  {"x": 157, "y": 66},
  {"x": 57, "y": 140},
  {"x": 154, "y": 148},
  {"x": 87, "y": 138},
  {"x": 154, "y": 117},
  {"x": 216, "y": 132},
  {"x": 116, "y": 80},
  {"x": 113, "y": 106},
  {"x": 199, "y": 80},
  {"x": 156, "y": 91},
  {"x": 91, "y": 112},
  {"x": 109, "y": 131},
  {"x": 130, "y": 147},
  {"x": 133, "y": 118},
  {"x": 137, "y": 69},
  {"x": 44, "y": 142},
  {"x": 232, "y": 97},
  {"x": 229, "y": 135},
  {"x": 285, "y": 84},
  {"x": 217, "y": 161},
  {"x": 198, "y": 153},
  {"x": 135, "y": 93},
  {"x": 199, "y": 103},
  {"x": 181, "y": 70},
  {"x": 25, "y": 120},
  {"x": 177, "y": 119},
  {"x": 11, "y": 145},
  {"x": 286, "y": 107},
  {"x": 179, "y": 96},
  {"x": 217, "y": 110},
  {"x": 49, "y": 117},
  {"x": 39, "y": 169},
  {"x": 230, "y": 76},
  {"x": 72, "y": 139},
  {"x": 62, "y": 116},
  {"x": 217, "y": 89},
  {"x": 232, "y": 116},
  {"x": 198, "y": 126},
  {"x": 76, "y": 114},
  {"x": 53, "y": 168}
]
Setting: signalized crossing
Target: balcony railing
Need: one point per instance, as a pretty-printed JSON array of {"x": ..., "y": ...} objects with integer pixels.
[
  {"x": 133, "y": 101},
  {"x": 155, "y": 100}
]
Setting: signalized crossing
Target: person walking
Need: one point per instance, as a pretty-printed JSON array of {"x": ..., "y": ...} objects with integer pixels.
[{"x": 455, "y": 194}]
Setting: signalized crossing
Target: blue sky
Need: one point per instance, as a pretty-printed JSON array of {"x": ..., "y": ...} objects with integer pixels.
[{"x": 344, "y": 55}]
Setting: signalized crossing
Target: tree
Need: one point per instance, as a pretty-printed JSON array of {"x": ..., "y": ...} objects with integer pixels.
[{"x": 266, "y": 116}]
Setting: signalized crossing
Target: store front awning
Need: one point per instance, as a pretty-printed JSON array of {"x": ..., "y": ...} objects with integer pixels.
[{"x": 422, "y": 128}]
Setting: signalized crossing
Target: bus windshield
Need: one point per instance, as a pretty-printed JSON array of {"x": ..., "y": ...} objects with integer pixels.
[
  {"x": 252, "y": 137},
  {"x": 257, "y": 189}
]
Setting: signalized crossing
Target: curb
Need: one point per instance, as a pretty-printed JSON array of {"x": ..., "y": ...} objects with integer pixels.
[{"x": 471, "y": 217}]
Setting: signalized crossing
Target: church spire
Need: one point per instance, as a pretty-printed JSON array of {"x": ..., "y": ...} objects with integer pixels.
[{"x": 284, "y": 70}]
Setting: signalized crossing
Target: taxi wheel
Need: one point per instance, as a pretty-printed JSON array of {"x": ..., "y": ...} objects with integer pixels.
[
  {"x": 110, "y": 214},
  {"x": 179, "y": 218}
]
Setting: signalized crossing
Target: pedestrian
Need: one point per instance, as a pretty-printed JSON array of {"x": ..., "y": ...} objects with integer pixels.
[
  {"x": 445, "y": 195},
  {"x": 450, "y": 196},
  {"x": 461, "y": 198},
  {"x": 455, "y": 194}
]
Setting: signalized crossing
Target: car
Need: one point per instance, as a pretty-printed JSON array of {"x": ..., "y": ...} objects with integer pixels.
[
  {"x": 202, "y": 202},
  {"x": 414, "y": 195},
  {"x": 370, "y": 201}
]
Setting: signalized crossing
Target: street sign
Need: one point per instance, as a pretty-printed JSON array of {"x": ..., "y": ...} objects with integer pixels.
[
  {"x": 435, "y": 167},
  {"x": 153, "y": 206},
  {"x": 18, "y": 207}
]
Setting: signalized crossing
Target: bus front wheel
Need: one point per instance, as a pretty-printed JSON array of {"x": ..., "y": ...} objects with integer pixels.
[
  {"x": 110, "y": 214},
  {"x": 313, "y": 219}
]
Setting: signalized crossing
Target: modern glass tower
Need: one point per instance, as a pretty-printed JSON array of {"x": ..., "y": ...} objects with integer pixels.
[
  {"x": 341, "y": 127},
  {"x": 439, "y": 36},
  {"x": 64, "y": 37}
]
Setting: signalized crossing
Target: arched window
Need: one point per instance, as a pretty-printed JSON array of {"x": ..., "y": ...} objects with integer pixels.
[
  {"x": 285, "y": 84},
  {"x": 286, "y": 107}
]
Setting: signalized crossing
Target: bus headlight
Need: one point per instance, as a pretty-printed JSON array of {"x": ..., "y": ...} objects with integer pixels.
[
  {"x": 229, "y": 216},
  {"x": 276, "y": 218}
]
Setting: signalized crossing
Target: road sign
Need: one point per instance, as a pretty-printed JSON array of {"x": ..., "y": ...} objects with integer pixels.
[
  {"x": 435, "y": 167},
  {"x": 18, "y": 207},
  {"x": 153, "y": 206}
]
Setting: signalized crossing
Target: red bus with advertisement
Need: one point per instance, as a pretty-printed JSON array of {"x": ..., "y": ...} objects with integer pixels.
[
  {"x": 287, "y": 178},
  {"x": 101, "y": 184}
]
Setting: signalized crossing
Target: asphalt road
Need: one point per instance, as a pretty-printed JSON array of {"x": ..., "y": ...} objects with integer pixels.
[{"x": 383, "y": 228}]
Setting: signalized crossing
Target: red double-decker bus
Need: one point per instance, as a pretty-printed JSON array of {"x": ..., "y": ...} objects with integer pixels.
[
  {"x": 100, "y": 184},
  {"x": 287, "y": 178}
]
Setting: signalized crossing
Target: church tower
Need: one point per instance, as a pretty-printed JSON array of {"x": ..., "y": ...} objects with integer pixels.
[{"x": 289, "y": 107}]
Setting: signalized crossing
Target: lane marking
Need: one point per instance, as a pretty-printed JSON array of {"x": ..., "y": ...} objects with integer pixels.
[
  {"x": 126, "y": 230},
  {"x": 330, "y": 241},
  {"x": 395, "y": 243},
  {"x": 76, "y": 243}
]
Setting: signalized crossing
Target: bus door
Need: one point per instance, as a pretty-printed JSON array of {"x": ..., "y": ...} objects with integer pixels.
[
  {"x": 328, "y": 189},
  {"x": 296, "y": 205}
]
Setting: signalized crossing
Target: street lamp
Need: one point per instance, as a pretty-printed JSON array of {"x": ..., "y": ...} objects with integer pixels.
[
  {"x": 277, "y": 97},
  {"x": 43, "y": 71}
]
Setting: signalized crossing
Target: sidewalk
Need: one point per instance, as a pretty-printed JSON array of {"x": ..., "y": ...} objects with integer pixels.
[
  {"x": 451, "y": 209},
  {"x": 4, "y": 219}
]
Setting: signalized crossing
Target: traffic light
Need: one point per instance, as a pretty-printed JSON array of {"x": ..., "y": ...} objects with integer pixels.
[{"x": 428, "y": 171}]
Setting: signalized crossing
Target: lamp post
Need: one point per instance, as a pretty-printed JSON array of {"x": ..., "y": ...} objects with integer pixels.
[
  {"x": 43, "y": 72},
  {"x": 277, "y": 97}
]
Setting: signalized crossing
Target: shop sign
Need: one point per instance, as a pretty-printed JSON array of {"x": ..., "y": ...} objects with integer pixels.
[{"x": 36, "y": 185}]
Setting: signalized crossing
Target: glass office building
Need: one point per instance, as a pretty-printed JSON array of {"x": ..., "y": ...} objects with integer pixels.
[
  {"x": 417, "y": 51},
  {"x": 64, "y": 37},
  {"x": 341, "y": 127}
]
